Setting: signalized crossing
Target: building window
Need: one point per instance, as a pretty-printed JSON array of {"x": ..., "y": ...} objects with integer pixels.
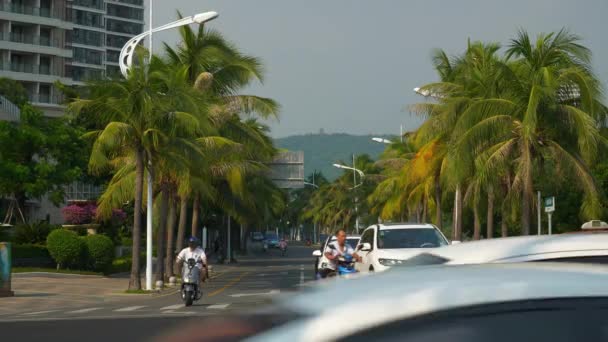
[
  {"x": 112, "y": 56},
  {"x": 123, "y": 27},
  {"x": 125, "y": 12},
  {"x": 116, "y": 41},
  {"x": 88, "y": 56},
  {"x": 98, "y": 4},
  {"x": 87, "y": 37},
  {"x": 88, "y": 18},
  {"x": 132, "y": 2},
  {"x": 85, "y": 74}
]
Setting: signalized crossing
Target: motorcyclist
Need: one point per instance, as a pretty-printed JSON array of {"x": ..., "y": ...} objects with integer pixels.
[
  {"x": 193, "y": 251},
  {"x": 340, "y": 248},
  {"x": 283, "y": 244}
]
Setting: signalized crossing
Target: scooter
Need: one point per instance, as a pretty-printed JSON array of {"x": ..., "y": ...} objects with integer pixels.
[
  {"x": 346, "y": 265},
  {"x": 191, "y": 290},
  {"x": 283, "y": 251},
  {"x": 264, "y": 246}
]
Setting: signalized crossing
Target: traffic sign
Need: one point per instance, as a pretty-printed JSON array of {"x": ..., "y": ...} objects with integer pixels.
[{"x": 549, "y": 204}]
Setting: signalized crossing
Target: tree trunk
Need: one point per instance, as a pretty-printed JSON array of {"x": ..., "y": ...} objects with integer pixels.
[
  {"x": 170, "y": 253},
  {"x": 181, "y": 227},
  {"x": 504, "y": 229},
  {"x": 161, "y": 234},
  {"x": 424, "y": 209},
  {"x": 490, "y": 219},
  {"x": 525, "y": 212},
  {"x": 438, "y": 203},
  {"x": 418, "y": 212},
  {"x": 476, "y": 223},
  {"x": 135, "y": 279},
  {"x": 457, "y": 230},
  {"x": 196, "y": 212}
]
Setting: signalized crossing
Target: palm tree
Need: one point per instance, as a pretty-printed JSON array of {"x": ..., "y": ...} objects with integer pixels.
[
  {"x": 545, "y": 118},
  {"x": 139, "y": 122}
]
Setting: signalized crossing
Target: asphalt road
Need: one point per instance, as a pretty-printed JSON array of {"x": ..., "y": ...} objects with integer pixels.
[{"x": 237, "y": 289}]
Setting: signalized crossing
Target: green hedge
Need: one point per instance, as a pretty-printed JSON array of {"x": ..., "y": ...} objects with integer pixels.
[
  {"x": 100, "y": 251},
  {"x": 27, "y": 251},
  {"x": 120, "y": 265},
  {"x": 33, "y": 233},
  {"x": 66, "y": 248}
]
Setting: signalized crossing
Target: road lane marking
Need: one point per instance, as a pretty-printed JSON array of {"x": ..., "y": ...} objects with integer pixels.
[
  {"x": 269, "y": 293},
  {"x": 129, "y": 308},
  {"x": 82, "y": 311},
  {"x": 218, "y": 306},
  {"x": 38, "y": 313},
  {"x": 179, "y": 312},
  {"x": 173, "y": 307},
  {"x": 231, "y": 283}
]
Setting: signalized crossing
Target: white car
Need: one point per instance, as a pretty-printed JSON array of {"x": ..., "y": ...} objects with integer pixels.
[
  {"x": 321, "y": 260},
  {"x": 578, "y": 247},
  {"x": 385, "y": 245},
  {"x": 462, "y": 303}
]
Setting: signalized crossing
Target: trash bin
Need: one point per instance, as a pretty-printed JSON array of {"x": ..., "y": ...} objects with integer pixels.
[{"x": 5, "y": 270}]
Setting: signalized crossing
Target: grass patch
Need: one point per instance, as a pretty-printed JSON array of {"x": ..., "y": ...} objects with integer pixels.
[{"x": 52, "y": 270}]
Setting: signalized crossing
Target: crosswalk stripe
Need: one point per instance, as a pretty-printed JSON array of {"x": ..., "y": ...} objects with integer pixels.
[
  {"x": 129, "y": 308},
  {"x": 218, "y": 306},
  {"x": 173, "y": 307},
  {"x": 38, "y": 313},
  {"x": 82, "y": 310}
]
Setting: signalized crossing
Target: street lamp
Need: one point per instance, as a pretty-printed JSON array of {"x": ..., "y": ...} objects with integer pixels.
[
  {"x": 355, "y": 171},
  {"x": 126, "y": 61}
]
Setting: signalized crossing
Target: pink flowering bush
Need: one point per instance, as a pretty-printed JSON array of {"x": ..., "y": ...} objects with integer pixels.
[{"x": 79, "y": 214}]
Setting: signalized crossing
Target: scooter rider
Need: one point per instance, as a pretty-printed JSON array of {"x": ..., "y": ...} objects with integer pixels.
[
  {"x": 193, "y": 251},
  {"x": 340, "y": 248}
]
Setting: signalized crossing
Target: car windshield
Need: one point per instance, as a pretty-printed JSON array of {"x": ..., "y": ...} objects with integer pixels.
[
  {"x": 271, "y": 237},
  {"x": 353, "y": 242},
  {"x": 410, "y": 238}
]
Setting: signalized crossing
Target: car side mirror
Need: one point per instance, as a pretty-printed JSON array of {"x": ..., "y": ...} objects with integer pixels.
[
  {"x": 454, "y": 242},
  {"x": 365, "y": 247},
  {"x": 317, "y": 253}
]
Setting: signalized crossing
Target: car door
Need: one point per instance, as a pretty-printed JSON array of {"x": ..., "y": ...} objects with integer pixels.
[{"x": 366, "y": 256}]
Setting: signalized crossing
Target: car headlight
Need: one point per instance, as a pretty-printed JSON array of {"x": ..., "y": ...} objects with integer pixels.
[{"x": 389, "y": 262}]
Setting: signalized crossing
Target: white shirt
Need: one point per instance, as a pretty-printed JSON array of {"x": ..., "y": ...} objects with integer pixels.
[
  {"x": 198, "y": 254},
  {"x": 337, "y": 251}
]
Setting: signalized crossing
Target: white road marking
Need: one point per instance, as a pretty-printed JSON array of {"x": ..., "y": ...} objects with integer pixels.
[
  {"x": 271, "y": 292},
  {"x": 129, "y": 308},
  {"x": 38, "y": 313},
  {"x": 179, "y": 312},
  {"x": 218, "y": 306},
  {"x": 82, "y": 311},
  {"x": 172, "y": 307}
]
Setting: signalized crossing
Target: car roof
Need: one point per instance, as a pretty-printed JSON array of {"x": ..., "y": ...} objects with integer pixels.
[
  {"x": 387, "y": 226},
  {"x": 401, "y": 293},
  {"x": 521, "y": 248}
]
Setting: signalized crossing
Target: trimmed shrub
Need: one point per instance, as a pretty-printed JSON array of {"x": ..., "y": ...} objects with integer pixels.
[
  {"x": 66, "y": 248},
  {"x": 34, "y": 233},
  {"x": 120, "y": 265},
  {"x": 31, "y": 256},
  {"x": 100, "y": 250},
  {"x": 29, "y": 251}
]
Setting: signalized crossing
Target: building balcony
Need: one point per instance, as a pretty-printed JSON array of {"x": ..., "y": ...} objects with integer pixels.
[
  {"x": 29, "y": 68},
  {"x": 33, "y": 11},
  {"x": 46, "y": 99},
  {"x": 30, "y": 39}
]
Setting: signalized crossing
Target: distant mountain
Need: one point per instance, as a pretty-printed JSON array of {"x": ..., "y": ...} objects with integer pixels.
[{"x": 322, "y": 150}]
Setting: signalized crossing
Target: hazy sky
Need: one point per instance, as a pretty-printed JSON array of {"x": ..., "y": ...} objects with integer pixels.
[{"x": 350, "y": 65}]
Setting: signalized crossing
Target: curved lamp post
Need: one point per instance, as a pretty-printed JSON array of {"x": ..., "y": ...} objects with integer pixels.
[
  {"x": 382, "y": 140},
  {"x": 126, "y": 61},
  {"x": 340, "y": 166}
]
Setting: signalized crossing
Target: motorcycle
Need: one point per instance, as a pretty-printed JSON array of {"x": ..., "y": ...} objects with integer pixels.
[
  {"x": 346, "y": 264},
  {"x": 283, "y": 250},
  {"x": 191, "y": 290},
  {"x": 265, "y": 247}
]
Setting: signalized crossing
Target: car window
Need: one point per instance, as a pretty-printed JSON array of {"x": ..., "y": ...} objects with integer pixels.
[
  {"x": 352, "y": 242},
  {"x": 368, "y": 236},
  {"x": 597, "y": 259},
  {"x": 555, "y": 320},
  {"x": 410, "y": 238}
]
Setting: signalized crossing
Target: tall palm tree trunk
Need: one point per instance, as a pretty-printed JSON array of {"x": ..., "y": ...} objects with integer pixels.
[
  {"x": 476, "y": 223},
  {"x": 181, "y": 227},
  {"x": 490, "y": 219},
  {"x": 170, "y": 253},
  {"x": 196, "y": 212},
  {"x": 135, "y": 278},
  {"x": 161, "y": 235},
  {"x": 438, "y": 203},
  {"x": 457, "y": 230},
  {"x": 424, "y": 209}
]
